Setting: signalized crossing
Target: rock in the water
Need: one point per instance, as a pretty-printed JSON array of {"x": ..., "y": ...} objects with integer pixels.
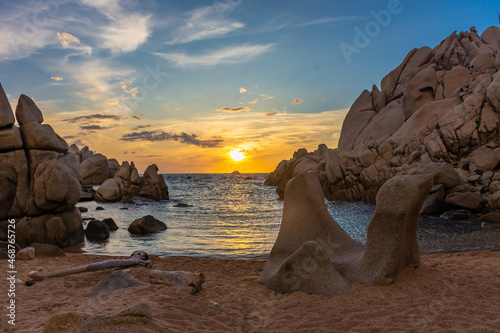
[
  {"x": 312, "y": 253},
  {"x": 146, "y": 225},
  {"x": 111, "y": 224},
  {"x": 153, "y": 185},
  {"x": 460, "y": 214},
  {"x": 97, "y": 230},
  {"x": 28, "y": 253},
  {"x": 89, "y": 322},
  {"x": 115, "y": 281}
]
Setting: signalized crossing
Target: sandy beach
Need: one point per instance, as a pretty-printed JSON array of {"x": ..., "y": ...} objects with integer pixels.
[{"x": 446, "y": 293}]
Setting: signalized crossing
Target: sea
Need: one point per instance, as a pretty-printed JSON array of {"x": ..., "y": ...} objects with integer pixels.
[{"x": 237, "y": 216}]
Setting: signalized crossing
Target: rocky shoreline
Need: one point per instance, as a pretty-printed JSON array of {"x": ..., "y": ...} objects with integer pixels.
[{"x": 437, "y": 113}]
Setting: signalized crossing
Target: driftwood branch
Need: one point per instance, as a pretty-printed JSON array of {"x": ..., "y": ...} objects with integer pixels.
[{"x": 137, "y": 258}]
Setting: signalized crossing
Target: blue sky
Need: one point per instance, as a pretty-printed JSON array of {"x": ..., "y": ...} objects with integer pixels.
[{"x": 184, "y": 83}]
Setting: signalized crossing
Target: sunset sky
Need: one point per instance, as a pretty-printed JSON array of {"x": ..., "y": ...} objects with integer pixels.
[{"x": 188, "y": 84}]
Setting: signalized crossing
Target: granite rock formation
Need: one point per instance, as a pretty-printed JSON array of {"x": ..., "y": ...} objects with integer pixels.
[
  {"x": 440, "y": 105},
  {"x": 39, "y": 179},
  {"x": 127, "y": 184},
  {"x": 312, "y": 253}
]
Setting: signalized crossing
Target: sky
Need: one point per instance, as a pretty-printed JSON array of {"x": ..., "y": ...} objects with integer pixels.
[{"x": 212, "y": 86}]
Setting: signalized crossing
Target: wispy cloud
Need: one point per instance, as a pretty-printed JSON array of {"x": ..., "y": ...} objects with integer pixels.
[
  {"x": 253, "y": 102},
  {"x": 228, "y": 55},
  {"x": 266, "y": 96},
  {"x": 126, "y": 30},
  {"x": 238, "y": 109},
  {"x": 95, "y": 127},
  {"x": 297, "y": 101},
  {"x": 56, "y": 78},
  {"x": 157, "y": 136},
  {"x": 206, "y": 22},
  {"x": 242, "y": 90},
  {"x": 330, "y": 19},
  {"x": 95, "y": 116}
]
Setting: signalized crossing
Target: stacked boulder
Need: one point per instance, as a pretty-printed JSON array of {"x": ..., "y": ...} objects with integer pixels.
[
  {"x": 39, "y": 179},
  {"x": 95, "y": 168},
  {"x": 127, "y": 184},
  {"x": 439, "y": 105}
]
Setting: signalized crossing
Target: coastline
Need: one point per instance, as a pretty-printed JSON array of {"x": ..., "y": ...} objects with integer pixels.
[{"x": 447, "y": 292}]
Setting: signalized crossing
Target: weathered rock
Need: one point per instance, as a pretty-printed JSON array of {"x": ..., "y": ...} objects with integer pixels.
[
  {"x": 109, "y": 191},
  {"x": 95, "y": 170},
  {"x": 27, "y": 253},
  {"x": 177, "y": 278},
  {"x": 6, "y": 115},
  {"x": 468, "y": 200},
  {"x": 153, "y": 185},
  {"x": 97, "y": 230},
  {"x": 47, "y": 250},
  {"x": 39, "y": 179},
  {"x": 115, "y": 281},
  {"x": 491, "y": 217},
  {"x": 89, "y": 322},
  {"x": 146, "y": 225},
  {"x": 441, "y": 105},
  {"x": 312, "y": 253}
]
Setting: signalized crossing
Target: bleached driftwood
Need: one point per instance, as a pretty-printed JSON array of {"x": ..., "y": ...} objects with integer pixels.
[{"x": 137, "y": 258}]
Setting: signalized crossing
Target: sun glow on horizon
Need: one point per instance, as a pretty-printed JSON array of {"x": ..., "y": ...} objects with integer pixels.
[{"x": 237, "y": 155}]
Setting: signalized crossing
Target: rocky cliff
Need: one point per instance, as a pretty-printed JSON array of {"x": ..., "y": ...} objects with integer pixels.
[
  {"x": 39, "y": 179},
  {"x": 438, "y": 112}
]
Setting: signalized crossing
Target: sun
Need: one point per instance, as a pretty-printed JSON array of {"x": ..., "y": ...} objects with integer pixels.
[{"x": 237, "y": 155}]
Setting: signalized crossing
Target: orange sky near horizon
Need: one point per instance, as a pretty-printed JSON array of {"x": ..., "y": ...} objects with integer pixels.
[{"x": 265, "y": 141}]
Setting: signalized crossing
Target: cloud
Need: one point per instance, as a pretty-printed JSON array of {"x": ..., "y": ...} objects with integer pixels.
[
  {"x": 95, "y": 127},
  {"x": 56, "y": 78},
  {"x": 66, "y": 39},
  {"x": 206, "y": 22},
  {"x": 270, "y": 114},
  {"x": 242, "y": 90},
  {"x": 253, "y": 102},
  {"x": 93, "y": 117},
  {"x": 158, "y": 136},
  {"x": 331, "y": 19},
  {"x": 238, "y": 109},
  {"x": 267, "y": 96},
  {"x": 136, "y": 128},
  {"x": 125, "y": 30},
  {"x": 297, "y": 101},
  {"x": 227, "y": 55}
]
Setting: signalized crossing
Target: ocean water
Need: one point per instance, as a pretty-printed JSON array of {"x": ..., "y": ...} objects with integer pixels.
[{"x": 236, "y": 216}]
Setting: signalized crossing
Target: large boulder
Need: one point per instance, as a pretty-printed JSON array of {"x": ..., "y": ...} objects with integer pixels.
[
  {"x": 95, "y": 170},
  {"x": 146, "y": 225},
  {"x": 153, "y": 185},
  {"x": 312, "y": 253},
  {"x": 109, "y": 191}
]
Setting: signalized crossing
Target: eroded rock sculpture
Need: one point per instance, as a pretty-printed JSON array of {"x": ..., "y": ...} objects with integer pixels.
[{"x": 312, "y": 253}]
